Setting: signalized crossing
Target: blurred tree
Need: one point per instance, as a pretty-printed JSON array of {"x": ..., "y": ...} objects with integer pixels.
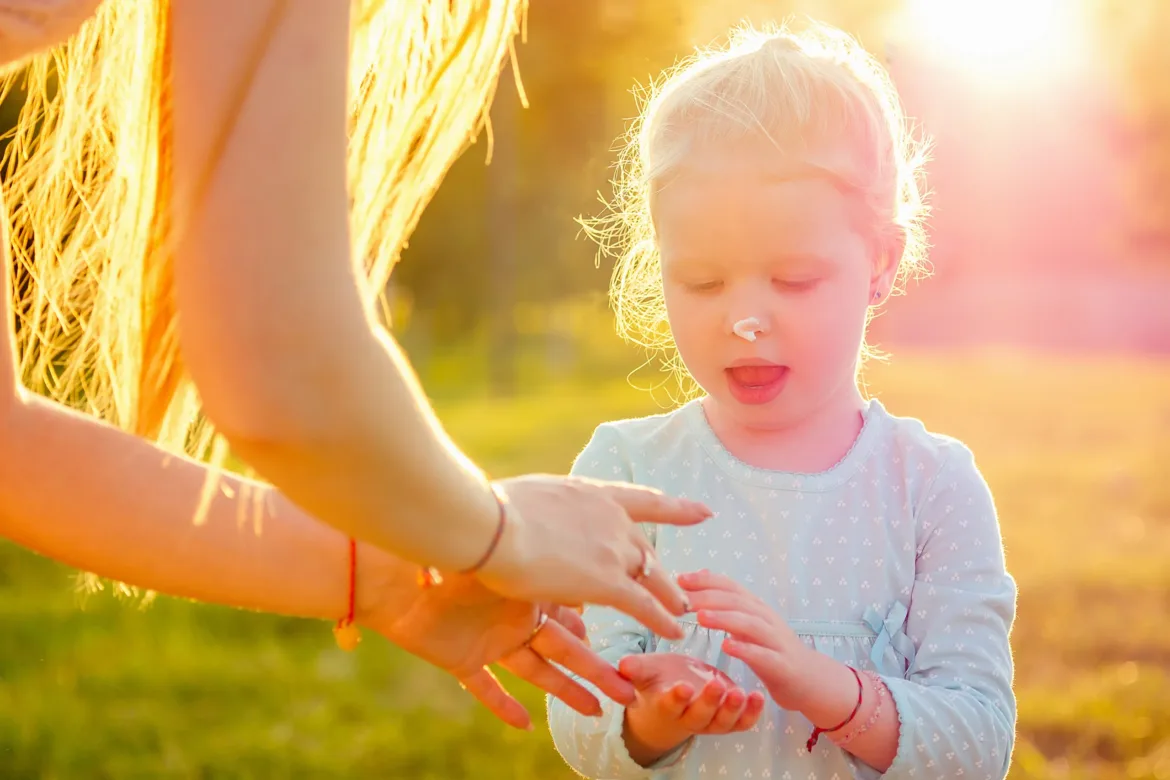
[
  {"x": 500, "y": 236},
  {"x": 1132, "y": 36}
]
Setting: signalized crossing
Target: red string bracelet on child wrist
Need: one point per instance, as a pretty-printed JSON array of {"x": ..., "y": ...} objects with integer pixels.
[{"x": 817, "y": 731}]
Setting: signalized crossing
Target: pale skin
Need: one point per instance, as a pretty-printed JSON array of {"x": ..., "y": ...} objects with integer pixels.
[
  {"x": 308, "y": 389},
  {"x": 680, "y": 698},
  {"x": 745, "y": 233}
]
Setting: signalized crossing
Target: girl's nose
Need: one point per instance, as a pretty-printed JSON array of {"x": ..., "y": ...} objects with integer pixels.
[{"x": 750, "y": 328}]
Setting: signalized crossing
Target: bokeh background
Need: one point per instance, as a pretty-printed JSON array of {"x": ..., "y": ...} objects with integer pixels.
[{"x": 1042, "y": 338}]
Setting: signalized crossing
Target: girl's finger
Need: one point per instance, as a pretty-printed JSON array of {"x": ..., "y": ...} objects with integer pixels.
[
  {"x": 709, "y": 580},
  {"x": 698, "y": 714},
  {"x": 741, "y": 625},
  {"x": 673, "y": 702},
  {"x": 558, "y": 644},
  {"x": 729, "y": 712},
  {"x": 527, "y": 665},
  {"x": 752, "y": 710},
  {"x": 484, "y": 686},
  {"x": 725, "y": 601},
  {"x": 761, "y": 660}
]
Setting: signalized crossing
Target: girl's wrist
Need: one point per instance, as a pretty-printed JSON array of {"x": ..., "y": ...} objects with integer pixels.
[
  {"x": 647, "y": 742},
  {"x": 827, "y": 693}
]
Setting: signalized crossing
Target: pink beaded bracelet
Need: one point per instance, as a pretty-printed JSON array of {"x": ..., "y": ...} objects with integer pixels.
[{"x": 882, "y": 692}]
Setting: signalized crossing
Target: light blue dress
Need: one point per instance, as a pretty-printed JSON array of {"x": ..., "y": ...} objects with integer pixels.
[{"x": 891, "y": 560}]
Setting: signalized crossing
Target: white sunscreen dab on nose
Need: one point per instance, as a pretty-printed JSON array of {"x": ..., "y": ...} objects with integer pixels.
[{"x": 747, "y": 328}]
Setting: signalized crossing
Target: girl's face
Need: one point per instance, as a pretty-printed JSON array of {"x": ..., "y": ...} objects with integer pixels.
[{"x": 742, "y": 234}]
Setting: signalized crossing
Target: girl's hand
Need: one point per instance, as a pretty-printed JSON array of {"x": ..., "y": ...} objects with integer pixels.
[
  {"x": 678, "y": 698},
  {"x": 575, "y": 541},
  {"x": 756, "y": 635},
  {"x": 460, "y": 626}
]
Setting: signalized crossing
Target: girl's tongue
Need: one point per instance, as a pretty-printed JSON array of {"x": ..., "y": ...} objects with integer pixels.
[
  {"x": 756, "y": 376},
  {"x": 754, "y": 385}
]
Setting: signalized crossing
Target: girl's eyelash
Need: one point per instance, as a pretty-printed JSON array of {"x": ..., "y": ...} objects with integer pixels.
[{"x": 800, "y": 284}]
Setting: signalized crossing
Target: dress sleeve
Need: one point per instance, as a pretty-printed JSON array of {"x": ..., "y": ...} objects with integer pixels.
[{"x": 956, "y": 709}]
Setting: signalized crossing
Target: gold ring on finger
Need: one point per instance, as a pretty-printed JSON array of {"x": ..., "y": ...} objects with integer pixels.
[
  {"x": 540, "y": 621},
  {"x": 646, "y": 566}
]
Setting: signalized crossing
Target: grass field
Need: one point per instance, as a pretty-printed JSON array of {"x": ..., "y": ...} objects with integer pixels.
[{"x": 1076, "y": 453}]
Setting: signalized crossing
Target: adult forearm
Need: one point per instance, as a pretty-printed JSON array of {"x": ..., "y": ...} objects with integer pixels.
[
  {"x": 89, "y": 495},
  {"x": 274, "y": 328},
  {"x": 383, "y": 469}
]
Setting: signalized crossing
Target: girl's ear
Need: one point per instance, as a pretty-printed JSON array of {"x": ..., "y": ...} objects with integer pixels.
[{"x": 886, "y": 261}]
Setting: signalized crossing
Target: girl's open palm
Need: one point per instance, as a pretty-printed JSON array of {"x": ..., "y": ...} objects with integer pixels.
[{"x": 680, "y": 697}]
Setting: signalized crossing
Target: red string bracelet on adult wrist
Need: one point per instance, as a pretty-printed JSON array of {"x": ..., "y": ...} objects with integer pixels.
[
  {"x": 817, "y": 731},
  {"x": 346, "y": 631}
]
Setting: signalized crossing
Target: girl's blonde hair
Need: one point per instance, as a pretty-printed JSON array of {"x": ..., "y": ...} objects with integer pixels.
[
  {"x": 86, "y": 189},
  {"x": 816, "y": 95}
]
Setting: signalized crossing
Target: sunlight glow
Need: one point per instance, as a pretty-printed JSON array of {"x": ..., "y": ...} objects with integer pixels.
[{"x": 998, "y": 38}]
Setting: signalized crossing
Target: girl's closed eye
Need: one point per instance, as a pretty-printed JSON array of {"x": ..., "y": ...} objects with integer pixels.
[
  {"x": 707, "y": 286},
  {"x": 797, "y": 285}
]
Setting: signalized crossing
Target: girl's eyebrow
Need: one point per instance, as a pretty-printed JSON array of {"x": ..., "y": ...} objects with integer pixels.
[
  {"x": 691, "y": 262},
  {"x": 814, "y": 259}
]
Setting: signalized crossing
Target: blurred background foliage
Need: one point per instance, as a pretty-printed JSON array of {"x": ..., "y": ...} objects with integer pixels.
[{"x": 1041, "y": 339}]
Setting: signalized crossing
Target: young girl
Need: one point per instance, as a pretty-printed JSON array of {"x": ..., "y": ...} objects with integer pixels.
[{"x": 851, "y": 588}]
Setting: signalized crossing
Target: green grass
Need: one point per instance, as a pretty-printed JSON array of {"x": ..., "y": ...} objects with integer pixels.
[{"x": 1076, "y": 453}]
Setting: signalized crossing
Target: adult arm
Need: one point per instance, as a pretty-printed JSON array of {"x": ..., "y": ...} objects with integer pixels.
[{"x": 288, "y": 359}]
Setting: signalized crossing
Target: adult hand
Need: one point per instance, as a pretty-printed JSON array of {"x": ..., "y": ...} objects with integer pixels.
[
  {"x": 461, "y": 627},
  {"x": 574, "y": 541}
]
